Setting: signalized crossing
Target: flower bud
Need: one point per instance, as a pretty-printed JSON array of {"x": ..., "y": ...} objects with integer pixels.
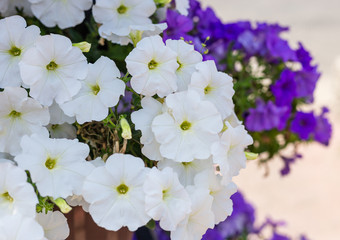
[
  {"x": 83, "y": 46},
  {"x": 162, "y": 3},
  {"x": 136, "y": 36},
  {"x": 251, "y": 155},
  {"x": 62, "y": 205},
  {"x": 126, "y": 133}
]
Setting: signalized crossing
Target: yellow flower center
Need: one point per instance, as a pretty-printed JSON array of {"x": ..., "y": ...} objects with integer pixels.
[
  {"x": 14, "y": 51},
  {"x": 122, "y": 189},
  {"x": 152, "y": 64},
  {"x": 122, "y": 9},
  {"x": 52, "y": 66},
  {"x": 165, "y": 193},
  {"x": 50, "y": 163},
  {"x": 185, "y": 125},
  {"x": 14, "y": 114},
  {"x": 180, "y": 65},
  {"x": 207, "y": 89},
  {"x": 7, "y": 197},
  {"x": 95, "y": 89}
]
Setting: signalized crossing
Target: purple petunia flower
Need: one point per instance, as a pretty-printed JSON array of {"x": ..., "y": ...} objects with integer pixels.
[
  {"x": 306, "y": 82},
  {"x": 303, "y": 56},
  {"x": 277, "y": 236},
  {"x": 303, "y": 124},
  {"x": 160, "y": 233},
  {"x": 241, "y": 220},
  {"x": 232, "y": 31},
  {"x": 195, "y": 6},
  {"x": 267, "y": 116},
  {"x": 212, "y": 234},
  {"x": 287, "y": 162},
  {"x": 210, "y": 25},
  {"x": 279, "y": 48},
  {"x": 284, "y": 88},
  {"x": 124, "y": 104},
  {"x": 251, "y": 43},
  {"x": 323, "y": 129},
  {"x": 275, "y": 46},
  {"x": 178, "y": 26}
]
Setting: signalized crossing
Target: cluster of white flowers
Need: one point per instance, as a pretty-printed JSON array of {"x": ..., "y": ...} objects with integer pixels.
[
  {"x": 63, "y": 88},
  {"x": 122, "y": 21},
  {"x": 188, "y": 125},
  {"x": 189, "y": 131}
]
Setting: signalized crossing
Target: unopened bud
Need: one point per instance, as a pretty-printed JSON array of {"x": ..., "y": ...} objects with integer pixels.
[
  {"x": 62, "y": 205},
  {"x": 251, "y": 155},
  {"x": 136, "y": 36},
  {"x": 126, "y": 130},
  {"x": 162, "y": 2},
  {"x": 83, "y": 46}
]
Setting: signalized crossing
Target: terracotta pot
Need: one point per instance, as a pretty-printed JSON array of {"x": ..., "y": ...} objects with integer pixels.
[{"x": 82, "y": 227}]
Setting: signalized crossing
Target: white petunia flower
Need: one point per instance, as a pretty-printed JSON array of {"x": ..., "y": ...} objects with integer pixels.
[
  {"x": 54, "y": 224},
  {"x": 199, "y": 219},
  {"x": 64, "y": 130},
  {"x": 187, "y": 171},
  {"x": 17, "y": 196},
  {"x": 187, "y": 58},
  {"x": 165, "y": 198},
  {"x": 228, "y": 152},
  {"x": 214, "y": 86},
  {"x": 117, "y": 16},
  {"x": 19, "y": 116},
  {"x": 233, "y": 120},
  {"x": 57, "y": 166},
  {"x": 222, "y": 206},
  {"x": 9, "y": 7},
  {"x": 17, "y": 227},
  {"x": 188, "y": 128},
  {"x": 52, "y": 69},
  {"x": 58, "y": 116},
  {"x": 60, "y": 124},
  {"x": 100, "y": 90},
  {"x": 136, "y": 33},
  {"x": 63, "y": 13},
  {"x": 78, "y": 200},
  {"x": 15, "y": 39},
  {"x": 115, "y": 193},
  {"x": 142, "y": 120},
  {"x": 182, "y": 6},
  {"x": 152, "y": 66}
]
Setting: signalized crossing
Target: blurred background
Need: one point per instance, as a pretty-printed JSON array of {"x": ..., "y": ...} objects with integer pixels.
[{"x": 308, "y": 198}]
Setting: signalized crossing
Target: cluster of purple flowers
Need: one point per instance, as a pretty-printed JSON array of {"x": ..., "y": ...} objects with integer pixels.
[
  {"x": 292, "y": 75},
  {"x": 200, "y": 24},
  {"x": 241, "y": 224}
]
